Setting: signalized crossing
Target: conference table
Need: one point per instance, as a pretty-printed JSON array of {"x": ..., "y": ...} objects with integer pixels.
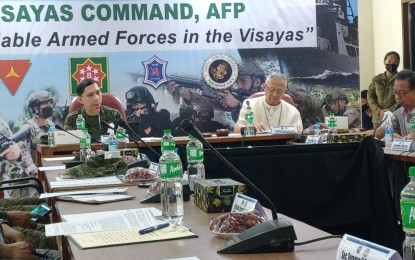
[
  {"x": 203, "y": 247},
  {"x": 232, "y": 140}
]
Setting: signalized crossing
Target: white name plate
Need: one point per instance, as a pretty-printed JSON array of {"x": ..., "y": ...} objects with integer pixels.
[
  {"x": 288, "y": 129},
  {"x": 154, "y": 168},
  {"x": 401, "y": 145},
  {"x": 243, "y": 203},
  {"x": 355, "y": 248},
  {"x": 314, "y": 139}
]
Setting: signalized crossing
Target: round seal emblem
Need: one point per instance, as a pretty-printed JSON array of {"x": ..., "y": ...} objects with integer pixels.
[{"x": 220, "y": 71}]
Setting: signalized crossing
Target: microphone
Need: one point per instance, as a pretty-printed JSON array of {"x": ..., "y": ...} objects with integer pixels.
[
  {"x": 396, "y": 107},
  {"x": 99, "y": 118},
  {"x": 127, "y": 127},
  {"x": 61, "y": 129},
  {"x": 275, "y": 235}
]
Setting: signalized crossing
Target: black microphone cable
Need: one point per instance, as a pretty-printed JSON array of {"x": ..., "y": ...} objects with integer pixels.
[{"x": 317, "y": 239}]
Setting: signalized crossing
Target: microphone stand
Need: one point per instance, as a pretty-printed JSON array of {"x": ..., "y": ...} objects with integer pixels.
[
  {"x": 199, "y": 136},
  {"x": 276, "y": 235},
  {"x": 124, "y": 125}
]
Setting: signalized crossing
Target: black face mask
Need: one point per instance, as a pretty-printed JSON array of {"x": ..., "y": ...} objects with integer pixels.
[
  {"x": 46, "y": 111},
  {"x": 392, "y": 68},
  {"x": 365, "y": 107}
]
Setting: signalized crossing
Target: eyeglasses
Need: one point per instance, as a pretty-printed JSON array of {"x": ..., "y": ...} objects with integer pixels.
[
  {"x": 272, "y": 91},
  {"x": 401, "y": 93}
]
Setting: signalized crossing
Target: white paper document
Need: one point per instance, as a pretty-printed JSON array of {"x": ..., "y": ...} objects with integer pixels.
[
  {"x": 68, "y": 158},
  {"x": 83, "y": 192},
  {"x": 95, "y": 198},
  {"x": 52, "y": 168},
  {"x": 88, "y": 182},
  {"x": 105, "y": 221}
]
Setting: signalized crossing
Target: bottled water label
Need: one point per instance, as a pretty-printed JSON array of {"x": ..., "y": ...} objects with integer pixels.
[
  {"x": 408, "y": 213},
  {"x": 194, "y": 154},
  {"x": 83, "y": 143},
  {"x": 332, "y": 123},
  {"x": 249, "y": 118},
  {"x": 168, "y": 145},
  {"x": 170, "y": 170}
]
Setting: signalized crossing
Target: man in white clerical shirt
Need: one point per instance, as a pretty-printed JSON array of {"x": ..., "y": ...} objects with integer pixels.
[{"x": 270, "y": 110}]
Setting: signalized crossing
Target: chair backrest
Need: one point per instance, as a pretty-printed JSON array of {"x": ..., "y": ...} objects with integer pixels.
[
  {"x": 287, "y": 98},
  {"x": 108, "y": 100}
]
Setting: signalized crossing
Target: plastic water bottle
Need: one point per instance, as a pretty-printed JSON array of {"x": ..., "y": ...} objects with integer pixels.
[
  {"x": 388, "y": 134},
  {"x": 80, "y": 122},
  {"x": 249, "y": 118},
  {"x": 408, "y": 216},
  {"x": 121, "y": 135},
  {"x": 332, "y": 124},
  {"x": 51, "y": 141},
  {"x": 166, "y": 138},
  {"x": 195, "y": 167},
  {"x": 317, "y": 129},
  {"x": 412, "y": 123},
  {"x": 85, "y": 145},
  {"x": 171, "y": 175},
  {"x": 112, "y": 141}
]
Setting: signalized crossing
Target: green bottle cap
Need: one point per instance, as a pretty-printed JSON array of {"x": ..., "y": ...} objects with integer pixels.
[
  {"x": 167, "y": 131},
  {"x": 412, "y": 171}
]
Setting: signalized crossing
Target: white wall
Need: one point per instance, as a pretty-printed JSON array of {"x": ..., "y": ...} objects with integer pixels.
[{"x": 380, "y": 31}]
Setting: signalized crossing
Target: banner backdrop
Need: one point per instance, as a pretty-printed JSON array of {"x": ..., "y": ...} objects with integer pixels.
[{"x": 52, "y": 45}]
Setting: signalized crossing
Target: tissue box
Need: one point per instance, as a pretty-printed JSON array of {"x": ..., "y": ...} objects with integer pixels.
[
  {"x": 345, "y": 138},
  {"x": 216, "y": 195}
]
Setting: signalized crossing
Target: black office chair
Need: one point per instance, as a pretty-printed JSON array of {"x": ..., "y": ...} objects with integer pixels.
[{"x": 20, "y": 183}]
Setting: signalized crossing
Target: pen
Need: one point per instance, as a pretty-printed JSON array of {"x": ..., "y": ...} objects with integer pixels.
[{"x": 151, "y": 229}]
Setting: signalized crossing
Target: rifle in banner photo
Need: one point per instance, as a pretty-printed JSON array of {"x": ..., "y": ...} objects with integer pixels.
[
  {"x": 197, "y": 84},
  {"x": 5, "y": 141}
]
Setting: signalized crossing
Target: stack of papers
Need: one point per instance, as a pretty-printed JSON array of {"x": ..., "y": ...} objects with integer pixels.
[
  {"x": 112, "y": 228},
  {"x": 90, "y": 196},
  {"x": 62, "y": 184}
]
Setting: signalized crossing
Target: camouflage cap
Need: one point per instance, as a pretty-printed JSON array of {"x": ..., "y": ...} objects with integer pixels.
[
  {"x": 251, "y": 68},
  {"x": 336, "y": 95}
]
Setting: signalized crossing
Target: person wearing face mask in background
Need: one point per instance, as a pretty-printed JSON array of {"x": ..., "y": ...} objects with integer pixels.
[
  {"x": 380, "y": 92},
  {"x": 40, "y": 103},
  {"x": 366, "y": 111}
]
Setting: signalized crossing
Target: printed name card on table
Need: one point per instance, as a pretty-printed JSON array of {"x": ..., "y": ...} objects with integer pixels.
[
  {"x": 154, "y": 168},
  {"x": 314, "y": 139},
  {"x": 243, "y": 203},
  {"x": 401, "y": 145},
  {"x": 287, "y": 129},
  {"x": 355, "y": 248}
]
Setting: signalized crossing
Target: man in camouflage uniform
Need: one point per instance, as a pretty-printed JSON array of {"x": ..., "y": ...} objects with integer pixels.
[
  {"x": 14, "y": 210},
  {"x": 89, "y": 94},
  {"x": 380, "y": 94},
  {"x": 336, "y": 102},
  {"x": 40, "y": 103},
  {"x": 14, "y": 246}
]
